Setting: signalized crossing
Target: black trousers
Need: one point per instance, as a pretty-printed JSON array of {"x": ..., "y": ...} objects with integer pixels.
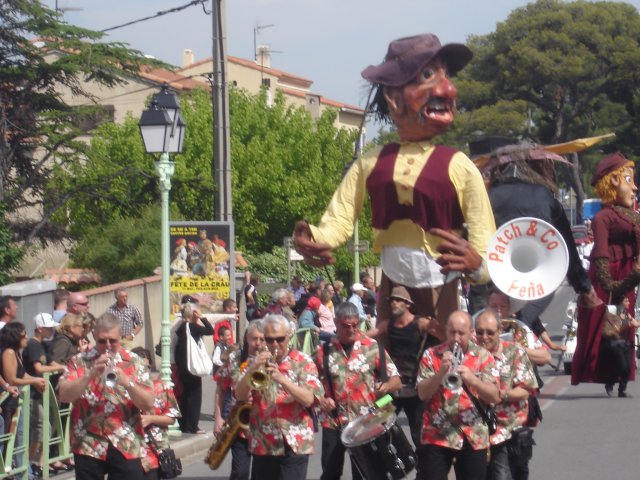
[
  {"x": 289, "y": 466},
  {"x": 190, "y": 402},
  {"x": 240, "y": 459},
  {"x": 332, "y": 459},
  {"x": 115, "y": 465},
  {"x": 435, "y": 463},
  {"x": 413, "y": 408}
]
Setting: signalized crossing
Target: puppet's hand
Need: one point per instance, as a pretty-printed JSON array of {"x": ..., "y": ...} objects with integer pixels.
[
  {"x": 589, "y": 299},
  {"x": 458, "y": 255},
  {"x": 315, "y": 254}
]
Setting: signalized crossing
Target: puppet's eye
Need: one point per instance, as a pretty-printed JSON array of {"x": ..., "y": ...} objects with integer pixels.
[
  {"x": 428, "y": 73},
  {"x": 627, "y": 178}
]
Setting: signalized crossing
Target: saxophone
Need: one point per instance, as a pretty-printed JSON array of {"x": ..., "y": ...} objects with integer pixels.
[
  {"x": 238, "y": 419},
  {"x": 520, "y": 331}
]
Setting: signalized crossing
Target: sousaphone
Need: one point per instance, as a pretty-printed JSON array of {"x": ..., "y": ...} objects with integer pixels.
[{"x": 527, "y": 258}]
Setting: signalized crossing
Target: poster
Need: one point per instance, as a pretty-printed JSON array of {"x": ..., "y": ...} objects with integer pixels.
[{"x": 202, "y": 263}]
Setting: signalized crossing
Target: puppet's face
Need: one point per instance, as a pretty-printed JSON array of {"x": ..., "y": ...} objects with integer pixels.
[
  {"x": 425, "y": 107},
  {"x": 625, "y": 188}
]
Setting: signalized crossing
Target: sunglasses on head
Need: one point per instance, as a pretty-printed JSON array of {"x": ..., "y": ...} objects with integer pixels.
[{"x": 274, "y": 339}]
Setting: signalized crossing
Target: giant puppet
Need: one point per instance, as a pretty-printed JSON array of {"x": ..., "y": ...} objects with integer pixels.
[
  {"x": 614, "y": 272},
  {"x": 421, "y": 193}
]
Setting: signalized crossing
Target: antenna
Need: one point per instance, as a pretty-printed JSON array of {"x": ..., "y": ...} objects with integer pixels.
[
  {"x": 67, "y": 9},
  {"x": 256, "y": 30}
]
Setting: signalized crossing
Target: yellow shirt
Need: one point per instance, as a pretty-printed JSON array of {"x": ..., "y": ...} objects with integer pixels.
[{"x": 336, "y": 225}]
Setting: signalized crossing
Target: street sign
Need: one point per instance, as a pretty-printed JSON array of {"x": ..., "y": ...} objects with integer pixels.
[
  {"x": 292, "y": 255},
  {"x": 361, "y": 247}
]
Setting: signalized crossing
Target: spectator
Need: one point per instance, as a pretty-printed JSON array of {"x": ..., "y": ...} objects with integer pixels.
[
  {"x": 37, "y": 361},
  {"x": 325, "y": 316},
  {"x": 297, "y": 287},
  {"x": 357, "y": 294},
  {"x": 8, "y": 310},
  {"x": 77, "y": 303},
  {"x": 251, "y": 297},
  {"x": 337, "y": 299},
  {"x": 191, "y": 399},
  {"x": 129, "y": 316},
  {"x": 369, "y": 299},
  {"x": 60, "y": 297},
  {"x": 13, "y": 339},
  {"x": 156, "y": 421},
  {"x": 226, "y": 339}
]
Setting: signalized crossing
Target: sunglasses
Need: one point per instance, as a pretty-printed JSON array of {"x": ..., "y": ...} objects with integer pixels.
[
  {"x": 489, "y": 333},
  {"x": 352, "y": 326},
  {"x": 112, "y": 341},
  {"x": 274, "y": 339}
]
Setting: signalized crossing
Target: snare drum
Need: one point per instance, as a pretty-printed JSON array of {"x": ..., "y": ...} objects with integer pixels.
[{"x": 379, "y": 447}]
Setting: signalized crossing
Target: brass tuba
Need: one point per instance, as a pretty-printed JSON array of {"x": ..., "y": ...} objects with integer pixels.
[{"x": 238, "y": 419}]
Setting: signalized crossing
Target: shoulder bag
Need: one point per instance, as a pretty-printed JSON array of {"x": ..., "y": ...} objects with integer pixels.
[{"x": 198, "y": 360}]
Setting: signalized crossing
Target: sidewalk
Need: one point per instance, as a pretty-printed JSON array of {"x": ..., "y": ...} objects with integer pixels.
[{"x": 190, "y": 448}]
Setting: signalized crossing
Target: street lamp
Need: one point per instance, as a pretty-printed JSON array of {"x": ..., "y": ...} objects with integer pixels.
[{"x": 162, "y": 130}]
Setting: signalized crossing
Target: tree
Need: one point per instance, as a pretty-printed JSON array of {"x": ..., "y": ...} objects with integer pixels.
[
  {"x": 38, "y": 130},
  {"x": 554, "y": 71},
  {"x": 285, "y": 166},
  {"x": 123, "y": 249}
]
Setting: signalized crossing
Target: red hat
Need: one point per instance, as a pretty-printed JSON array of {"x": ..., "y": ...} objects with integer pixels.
[
  {"x": 313, "y": 303},
  {"x": 609, "y": 164},
  {"x": 407, "y": 56}
]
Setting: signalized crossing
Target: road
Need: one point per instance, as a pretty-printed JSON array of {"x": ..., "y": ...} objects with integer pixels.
[{"x": 584, "y": 434}]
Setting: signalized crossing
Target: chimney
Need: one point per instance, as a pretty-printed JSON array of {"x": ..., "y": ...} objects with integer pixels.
[
  {"x": 187, "y": 57},
  {"x": 263, "y": 55}
]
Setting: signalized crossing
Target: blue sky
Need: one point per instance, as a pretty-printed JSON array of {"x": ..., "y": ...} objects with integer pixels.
[{"x": 327, "y": 41}]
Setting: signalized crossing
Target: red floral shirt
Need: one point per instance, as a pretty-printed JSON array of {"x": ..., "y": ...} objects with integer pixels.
[
  {"x": 277, "y": 418},
  {"x": 157, "y": 438},
  {"x": 353, "y": 377},
  {"x": 104, "y": 415},
  {"x": 515, "y": 371},
  {"x": 450, "y": 416}
]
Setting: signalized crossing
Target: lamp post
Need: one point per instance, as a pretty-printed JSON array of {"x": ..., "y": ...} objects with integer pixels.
[{"x": 162, "y": 130}]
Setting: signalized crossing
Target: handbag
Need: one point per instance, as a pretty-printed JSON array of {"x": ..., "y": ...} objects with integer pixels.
[
  {"x": 198, "y": 360},
  {"x": 611, "y": 323},
  {"x": 168, "y": 465}
]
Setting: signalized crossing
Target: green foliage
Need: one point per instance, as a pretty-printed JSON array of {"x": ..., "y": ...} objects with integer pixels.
[
  {"x": 123, "y": 249},
  {"x": 38, "y": 130},
  {"x": 10, "y": 254},
  {"x": 272, "y": 267}
]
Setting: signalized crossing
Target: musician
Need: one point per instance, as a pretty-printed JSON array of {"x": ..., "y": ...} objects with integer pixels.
[
  {"x": 452, "y": 427},
  {"x": 421, "y": 195},
  {"x": 281, "y": 427},
  {"x": 228, "y": 376},
  {"x": 107, "y": 435},
  {"x": 355, "y": 376},
  {"x": 405, "y": 336},
  {"x": 511, "y": 444}
]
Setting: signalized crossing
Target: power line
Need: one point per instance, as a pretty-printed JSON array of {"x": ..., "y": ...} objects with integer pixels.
[{"x": 159, "y": 14}]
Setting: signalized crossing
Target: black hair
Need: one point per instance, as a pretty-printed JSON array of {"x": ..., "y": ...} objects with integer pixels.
[
  {"x": 11, "y": 335},
  {"x": 4, "y": 303}
]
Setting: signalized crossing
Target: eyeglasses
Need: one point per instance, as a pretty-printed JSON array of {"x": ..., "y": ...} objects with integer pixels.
[
  {"x": 274, "y": 339},
  {"x": 112, "y": 341},
  {"x": 489, "y": 333},
  {"x": 351, "y": 326}
]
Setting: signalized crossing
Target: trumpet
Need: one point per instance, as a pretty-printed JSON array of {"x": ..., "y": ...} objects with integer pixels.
[
  {"x": 110, "y": 376},
  {"x": 452, "y": 379},
  {"x": 259, "y": 378}
]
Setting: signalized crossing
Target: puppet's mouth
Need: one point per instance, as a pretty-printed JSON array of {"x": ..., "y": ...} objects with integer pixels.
[{"x": 440, "y": 110}]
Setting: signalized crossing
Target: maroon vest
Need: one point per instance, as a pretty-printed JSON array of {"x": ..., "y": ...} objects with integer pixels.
[{"x": 435, "y": 202}]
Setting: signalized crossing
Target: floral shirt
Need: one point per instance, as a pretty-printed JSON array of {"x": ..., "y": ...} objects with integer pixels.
[
  {"x": 450, "y": 416},
  {"x": 353, "y": 377},
  {"x": 277, "y": 418},
  {"x": 103, "y": 415},
  {"x": 157, "y": 438},
  {"x": 515, "y": 371}
]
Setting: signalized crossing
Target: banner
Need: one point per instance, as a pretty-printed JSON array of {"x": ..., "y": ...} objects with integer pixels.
[{"x": 202, "y": 263}]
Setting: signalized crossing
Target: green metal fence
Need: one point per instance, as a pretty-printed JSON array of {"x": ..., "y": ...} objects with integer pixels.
[{"x": 55, "y": 434}]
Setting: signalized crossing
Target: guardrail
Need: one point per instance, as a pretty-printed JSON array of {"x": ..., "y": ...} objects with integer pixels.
[{"x": 14, "y": 454}]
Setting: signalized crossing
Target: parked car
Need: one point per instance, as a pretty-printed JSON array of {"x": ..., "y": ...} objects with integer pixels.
[{"x": 580, "y": 235}]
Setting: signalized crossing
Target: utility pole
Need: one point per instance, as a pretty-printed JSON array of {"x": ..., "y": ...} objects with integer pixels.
[{"x": 220, "y": 100}]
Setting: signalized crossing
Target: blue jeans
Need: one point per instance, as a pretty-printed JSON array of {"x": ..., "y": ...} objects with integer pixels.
[{"x": 498, "y": 468}]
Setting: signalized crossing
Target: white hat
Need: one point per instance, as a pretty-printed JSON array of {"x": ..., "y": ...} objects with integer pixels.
[
  {"x": 358, "y": 287},
  {"x": 44, "y": 320}
]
